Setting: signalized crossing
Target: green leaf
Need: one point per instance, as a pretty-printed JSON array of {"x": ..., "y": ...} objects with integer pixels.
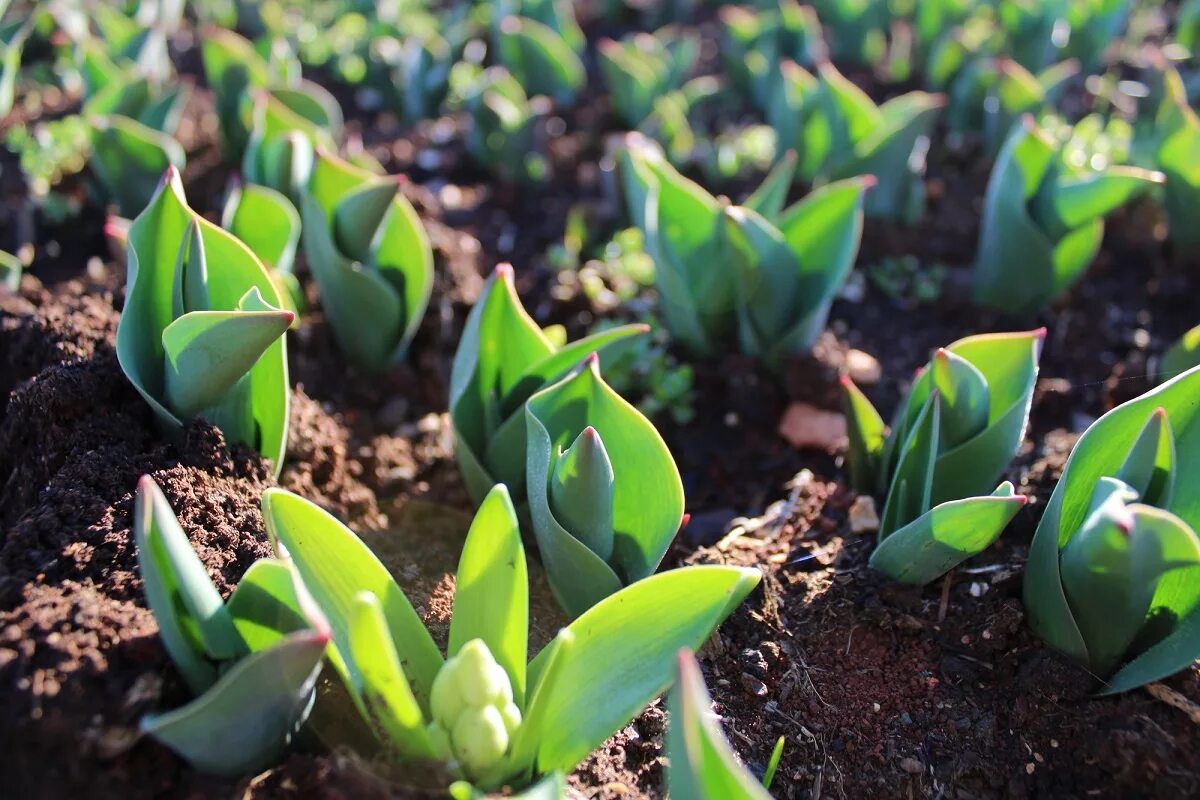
[
  {"x": 946, "y": 535},
  {"x": 231, "y": 66},
  {"x": 1150, "y": 467},
  {"x": 128, "y": 159},
  {"x": 245, "y": 721},
  {"x": 963, "y": 392},
  {"x": 1015, "y": 266},
  {"x": 1178, "y": 156},
  {"x": 195, "y": 627},
  {"x": 1181, "y": 356},
  {"x": 701, "y": 764},
  {"x": 359, "y": 214},
  {"x": 266, "y": 221},
  {"x": 208, "y": 352},
  {"x": 771, "y": 195},
  {"x": 336, "y": 566},
  {"x": 539, "y": 58},
  {"x": 911, "y": 492},
  {"x": 10, "y": 271},
  {"x": 265, "y": 606},
  {"x": 502, "y": 359},
  {"x": 866, "y": 432},
  {"x": 1071, "y": 201},
  {"x": 641, "y": 628},
  {"x": 382, "y": 688},
  {"x": 491, "y": 598},
  {"x": 647, "y": 494},
  {"x": 545, "y": 674},
  {"x": 581, "y": 492}
]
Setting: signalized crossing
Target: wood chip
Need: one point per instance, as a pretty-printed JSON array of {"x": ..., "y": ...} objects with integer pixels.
[
  {"x": 1166, "y": 694},
  {"x": 804, "y": 426}
]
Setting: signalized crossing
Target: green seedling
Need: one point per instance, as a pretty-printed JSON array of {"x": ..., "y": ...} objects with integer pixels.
[
  {"x": 1113, "y": 578},
  {"x": 267, "y": 222},
  {"x": 202, "y": 332},
  {"x": 486, "y": 711},
  {"x": 951, "y": 440},
  {"x": 252, "y": 661},
  {"x": 605, "y": 496},
  {"x": 502, "y": 360},
  {"x": 371, "y": 259},
  {"x": 1043, "y": 219},
  {"x": 643, "y": 67}
]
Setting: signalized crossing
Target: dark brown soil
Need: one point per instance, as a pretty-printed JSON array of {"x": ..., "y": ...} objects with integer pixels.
[{"x": 879, "y": 690}]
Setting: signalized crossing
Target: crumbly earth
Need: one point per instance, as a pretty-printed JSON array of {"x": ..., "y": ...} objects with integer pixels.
[{"x": 878, "y": 690}]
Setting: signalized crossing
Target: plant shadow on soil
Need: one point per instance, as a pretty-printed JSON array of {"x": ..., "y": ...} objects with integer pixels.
[{"x": 879, "y": 690}]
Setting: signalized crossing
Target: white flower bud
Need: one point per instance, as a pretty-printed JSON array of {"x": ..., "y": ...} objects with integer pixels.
[
  {"x": 480, "y": 738},
  {"x": 446, "y": 701}
]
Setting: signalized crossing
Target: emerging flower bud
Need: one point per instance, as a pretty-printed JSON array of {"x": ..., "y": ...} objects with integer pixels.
[{"x": 474, "y": 716}]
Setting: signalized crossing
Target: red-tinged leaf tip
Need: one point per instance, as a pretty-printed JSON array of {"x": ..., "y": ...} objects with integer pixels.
[
  {"x": 169, "y": 175},
  {"x": 504, "y": 271},
  {"x": 510, "y": 24},
  {"x": 1021, "y": 498},
  {"x": 290, "y": 316},
  {"x": 1029, "y": 123},
  {"x": 1040, "y": 333},
  {"x": 590, "y": 433},
  {"x": 938, "y": 100},
  {"x": 684, "y": 520},
  {"x": 115, "y": 228},
  {"x": 918, "y": 372},
  {"x": 1160, "y": 412},
  {"x": 845, "y": 381},
  {"x": 942, "y": 354},
  {"x": 592, "y": 362},
  {"x": 868, "y": 182},
  {"x": 642, "y": 327},
  {"x": 1124, "y": 522},
  {"x": 145, "y": 483}
]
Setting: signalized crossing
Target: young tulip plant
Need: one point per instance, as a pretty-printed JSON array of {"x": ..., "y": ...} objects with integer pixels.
[
  {"x": 502, "y": 136},
  {"x": 492, "y": 717},
  {"x": 252, "y": 661},
  {"x": 757, "y": 41},
  {"x": 700, "y": 763},
  {"x": 502, "y": 360},
  {"x": 643, "y": 67},
  {"x": 789, "y": 263},
  {"x": 605, "y": 496},
  {"x": 1113, "y": 578},
  {"x": 1179, "y": 357},
  {"x": 1013, "y": 92},
  {"x": 287, "y": 126},
  {"x": 202, "y": 332},
  {"x": 839, "y": 132},
  {"x": 539, "y": 56},
  {"x": 133, "y": 118},
  {"x": 370, "y": 257},
  {"x": 267, "y": 222},
  {"x": 952, "y": 438},
  {"x": 1043, "y": 218}
]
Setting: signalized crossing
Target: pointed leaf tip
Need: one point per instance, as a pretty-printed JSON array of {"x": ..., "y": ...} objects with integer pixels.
[{"x": 869, "y": 182}]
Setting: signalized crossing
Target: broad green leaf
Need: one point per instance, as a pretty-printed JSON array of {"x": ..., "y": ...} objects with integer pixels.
[
  {"x": 265, "y": 606},
  {"x": 245, "y": 721},
  {"x": 1178, "y": 156},
  {"x": 128, "y": 159},
  {"x": 545, "y": 675},
  {"x": 946, "y": 535},
  {"x": 1071, "y": 201},
  {"x": 382, "y": 688},
  {"x": 336, "y": 566},
  {"x": 1014, "y": 265},
  {"x": 771, "y": 195},
  {"x": 231, "y": 66},
  {"x": 266, "y": 221},
  {"x": 195, "y": 627},
  {"x": 641, "y": 628},
  {"x": 866, "y": 432},
  {"x": 701, "y": 764},
  {"x": 647, "y": 494},
  {"x": 491, "y": 596},
  {"x": 539, "y": 58},
  {"x": 1181, "y": 356},
  {"x": 358, "y": 215},
  {"x": 1149, "y": 468},
  {"x": 208, "y": 352}
]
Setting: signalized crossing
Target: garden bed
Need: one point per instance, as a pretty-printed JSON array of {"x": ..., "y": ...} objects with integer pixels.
[{"x": 878, "y": 688}]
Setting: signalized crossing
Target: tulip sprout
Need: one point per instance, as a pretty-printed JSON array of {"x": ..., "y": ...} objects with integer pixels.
[
  {"x": 252, "y": 661},
  {"x": 503, "y": 359},
  {"x": 371, "y": 259},
  {"x": 202, "y": 333},
  {"x": 963, "y": 419},
  {"x": 1112, "y": 573},
  {"x": 1043, "y": 220}
]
